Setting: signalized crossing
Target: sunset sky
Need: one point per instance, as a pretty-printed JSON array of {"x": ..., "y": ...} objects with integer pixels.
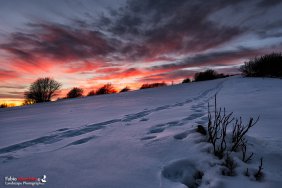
[{"x": 88, "y": 43}]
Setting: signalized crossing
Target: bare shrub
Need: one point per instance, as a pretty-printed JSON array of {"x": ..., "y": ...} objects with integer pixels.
[
  {"x": 217, "y": 127},
  {"x": 229, "y": 165},
  {"x": 245, "y": 157},
  {"x": 259, "y": 174},
  {"x": 218, "y": 122},
  {"x": 239, "y": 131},
  {"x": 247, "y": 173}
]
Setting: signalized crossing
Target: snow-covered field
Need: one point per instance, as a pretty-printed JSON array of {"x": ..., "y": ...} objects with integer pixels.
[{"x": 142, "y": 139}]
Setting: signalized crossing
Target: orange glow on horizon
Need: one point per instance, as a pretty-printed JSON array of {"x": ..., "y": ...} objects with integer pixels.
[{"x": 11, "y": 102}]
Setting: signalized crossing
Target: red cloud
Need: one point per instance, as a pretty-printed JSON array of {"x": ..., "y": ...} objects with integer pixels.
[
  {"x": 33, "y": 67},
  {"x": 8, "y": 75},
  {"x": 122, "y": 74},
  {"x": 109, "y": 70}
]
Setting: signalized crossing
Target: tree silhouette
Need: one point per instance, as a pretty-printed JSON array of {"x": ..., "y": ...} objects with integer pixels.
[
  {"x": 75, "y": 92},
  {"x": 42, "y": 90},
  {"x": 106, "y": 89},
  {"x": 152, "y": 85},
  {"x": 126, "y": 89},
  {"x": 269, "y": 65},
  {"x": 187, "y": 80},
  {"x": 4, "y": 105},
  {"x": 91, "y": 93},
  {"x": 206, "y": 75}
]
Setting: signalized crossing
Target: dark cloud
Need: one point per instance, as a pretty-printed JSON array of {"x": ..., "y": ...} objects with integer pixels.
[
  {"x": 269, "y": 3},
  {"x": 140, "y": 30},
  {"x": 221, "y": 58},
  {"x": 270, "y": 30},
  {"x": 59, "y": 42},
  {"x": 162, "y": 27},
  {"x": 18, "y": 52}
]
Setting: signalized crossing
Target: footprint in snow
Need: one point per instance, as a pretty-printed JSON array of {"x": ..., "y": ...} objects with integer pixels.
[
  {"x": 144, "y": 119},
  {"x": 7, "y": 158},
  {"x": 180, "y": 136},
  {"x": 63, "y": 129},
  {"x": 183, "y": 171},
  {"x": 81, "y": 141},
  {"x": 148, "y": 137},
  {"x": 156, "y": 130},
  {"x": 53, "y": 138},
  {"x": 199, "y": 111},
  {"x": 161, "y": 125},
  {"x": 193, "y": 116},
  {"x": 175, "y": 123}
]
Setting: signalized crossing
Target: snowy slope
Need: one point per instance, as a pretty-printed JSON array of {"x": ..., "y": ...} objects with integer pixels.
[{"x": 141, "y": 139}]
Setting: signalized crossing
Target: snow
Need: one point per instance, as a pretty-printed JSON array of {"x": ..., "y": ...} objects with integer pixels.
[{"x": 143, "y": 138}]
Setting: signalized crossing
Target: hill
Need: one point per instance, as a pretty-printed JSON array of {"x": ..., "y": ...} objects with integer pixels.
[{"x": 143, "y": 138}]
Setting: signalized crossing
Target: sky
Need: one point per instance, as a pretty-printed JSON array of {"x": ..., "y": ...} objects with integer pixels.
[{"x": 88, "y": 43}]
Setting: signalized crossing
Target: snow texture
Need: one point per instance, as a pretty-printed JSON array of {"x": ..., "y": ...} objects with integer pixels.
[{"x": 143, "y": 139}]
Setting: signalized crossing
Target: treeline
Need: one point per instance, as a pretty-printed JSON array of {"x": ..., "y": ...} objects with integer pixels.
[
  {"x": 6, "y": 105},
  {"x": 105, "y": 89},
  {"x": 205, "y": 75},
  {"x": 44, "y": 89},
  {"x": 269, "y": 65}
]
